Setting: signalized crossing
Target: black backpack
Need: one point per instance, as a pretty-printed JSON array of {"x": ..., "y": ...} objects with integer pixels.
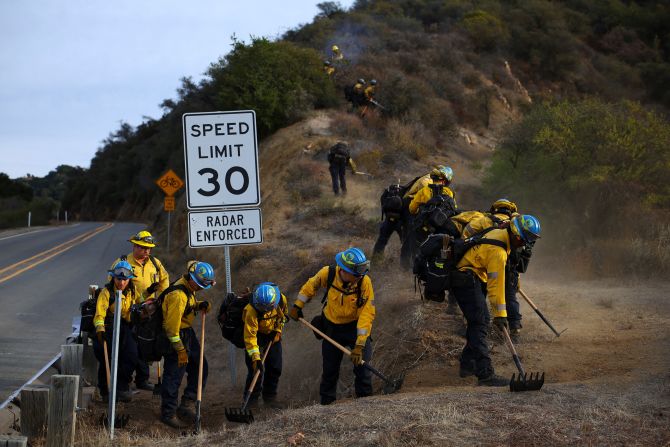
[
  {"x": 230, "y": 317},
  {"x": 438, "y": 256},
  {"x": 147, "y": 319},
  {"x": 391, "y": 201},
  {"x": 338, "y": 154},
  {"x": 436, "y": 214},
  {"x": 88, "y": 307}
]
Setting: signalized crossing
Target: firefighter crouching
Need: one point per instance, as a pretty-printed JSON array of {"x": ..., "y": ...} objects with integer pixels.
[
  {"x": 179, "y": 310},
  {"x": 264, "y": 319}
]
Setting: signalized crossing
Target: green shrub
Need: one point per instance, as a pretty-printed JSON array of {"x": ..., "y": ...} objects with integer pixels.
[{"x": 486, "y": 31}]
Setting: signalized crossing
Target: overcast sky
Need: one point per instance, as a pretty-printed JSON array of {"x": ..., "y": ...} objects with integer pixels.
[{"x": 72, "y": 70}]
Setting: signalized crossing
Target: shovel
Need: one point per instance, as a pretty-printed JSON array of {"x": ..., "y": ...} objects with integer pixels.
[
  {"x": 390, "y": 385},
  {"x": 202, "y": 359},
  {"x": 537, "y": 311},
  {"x": 523, "y": 382},
  {"x": 242, "y": 414}
]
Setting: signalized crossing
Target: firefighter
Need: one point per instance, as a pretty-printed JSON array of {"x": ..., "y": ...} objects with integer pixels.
[
  {"x": 179, "y": 310},
  {"x": 346, "y": 317},
  {"x": 150, "y": 280},
  {"x": 485, "y": 264},
  {"x": 121, "y": 275},
  {"x": 339, "y": 158},
  {"x": 264, "y": 319}
]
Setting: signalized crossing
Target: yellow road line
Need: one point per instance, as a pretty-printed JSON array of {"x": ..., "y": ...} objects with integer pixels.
[
  {"x": 73, "y": 243},
  {"x": 10, "y": 267}
]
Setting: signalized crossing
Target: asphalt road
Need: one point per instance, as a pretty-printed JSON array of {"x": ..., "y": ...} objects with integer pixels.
[{"x": 39, "y": 300}]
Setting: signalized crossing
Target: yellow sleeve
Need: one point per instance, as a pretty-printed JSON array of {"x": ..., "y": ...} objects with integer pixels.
[
  {"x": 367, "y": 315},
  {"x": 101, "y": 310},
  {"x": 250, "y": 330},
  {"x": 163, "y": 278},
  {"x": 419, "y": 199},
  {"x": 173, "y": 308},
  {"x": 446, "y": 190},
  {"x": 495, "y": 280},
  {"x": 310, "y": 288}
]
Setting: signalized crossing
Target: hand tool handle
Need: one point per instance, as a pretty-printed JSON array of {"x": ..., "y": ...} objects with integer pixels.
[
  {"x": 104, "y": 345},
  {"x": 345, "y": 350},
  {"x": 256, "y": 376},
  {"x": 200, "y": 368},
  {"x": 515, "y": 357},
  {"x": 537, "y": 311}
]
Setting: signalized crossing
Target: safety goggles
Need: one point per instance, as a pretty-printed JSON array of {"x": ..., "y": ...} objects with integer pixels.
[
  {"x": 361, "y": 269},
  {"x": 122, "y": 273},
  {"x": 147, "y": 239}
]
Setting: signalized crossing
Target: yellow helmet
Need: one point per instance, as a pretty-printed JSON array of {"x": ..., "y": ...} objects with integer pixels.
[
  {"x": 335, "y": 48},
  {"x": 504, "y": 206},
  {"x": 144, "y": 239}
]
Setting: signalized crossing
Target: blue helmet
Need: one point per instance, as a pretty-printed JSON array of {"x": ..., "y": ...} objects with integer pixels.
[
  {"x": 202, "y": 274},
  {"x": 526, "y": 227},
  {"x": 353, "y": 260},
  {"x": 122, "y": 270},
  {"x": 442, "y": 172},
  {"x": 266, "y": 297}
]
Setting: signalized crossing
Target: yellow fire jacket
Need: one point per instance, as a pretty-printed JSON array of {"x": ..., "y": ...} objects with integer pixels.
[
  {"x": 418, "y": 185},
  {"x": 145, "y": 275},
  {"x": 268, "y": 323},
  {"x": 424, "y": 195},
  {"x": 179, "y": 310},
  {"x": 102, "y": 307},
  {"x": 341, "y": 305},
  {"x": 488, "y": 263},
  {"x": 481, "y": 223}
]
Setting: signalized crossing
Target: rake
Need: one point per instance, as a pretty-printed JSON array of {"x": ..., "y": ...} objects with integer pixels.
[
  {"x": 242, "y": 414},
  {"x": 390, "y": 385},
  {"x": 524, "y": 381}
]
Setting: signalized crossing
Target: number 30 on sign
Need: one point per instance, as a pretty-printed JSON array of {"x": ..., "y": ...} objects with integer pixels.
[{"x": 221, "y": 157}]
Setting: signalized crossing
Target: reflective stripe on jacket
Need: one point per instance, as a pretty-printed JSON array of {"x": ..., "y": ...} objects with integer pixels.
[
  {"x": 341, "y": 306},
  {"x": 103, "y": 308},
  {"x": 174, "y": 307},
  {"x": 488, "y": 263},
  {"x": 270, "y": 322}
]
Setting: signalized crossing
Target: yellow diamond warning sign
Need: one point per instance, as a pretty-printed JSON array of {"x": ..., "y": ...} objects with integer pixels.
[{"x": 170, "y": 183}]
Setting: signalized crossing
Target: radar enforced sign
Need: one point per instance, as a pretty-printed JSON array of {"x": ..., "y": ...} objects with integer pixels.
[
  {"x": 221, "y": 154},
  {"x": 231, "y": 227}
]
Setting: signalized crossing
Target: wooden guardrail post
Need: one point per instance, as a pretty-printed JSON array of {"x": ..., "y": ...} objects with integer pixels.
[
  {"x": 13, "y": 441},
  {"x": 34, "y": 410},
  {"x": 62, "y": 405},
  {"x": 72, "y": 360}
]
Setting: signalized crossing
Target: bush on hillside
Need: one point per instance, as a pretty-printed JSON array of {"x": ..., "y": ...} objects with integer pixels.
[
  {"x": 587, "y": 166},
  {"x": 278, "y": 80}
]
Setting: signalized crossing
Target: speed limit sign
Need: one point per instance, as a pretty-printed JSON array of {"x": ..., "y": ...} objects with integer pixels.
[{"x": 221, "y": 156}]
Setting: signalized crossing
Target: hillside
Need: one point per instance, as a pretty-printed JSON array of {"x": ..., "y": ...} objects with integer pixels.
[{"x": 607, "y": 379}]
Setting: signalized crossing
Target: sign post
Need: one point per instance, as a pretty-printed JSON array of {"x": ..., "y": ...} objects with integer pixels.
[
  {"x": 221, "y": 159},
  {"x": 170, "y": 183}
]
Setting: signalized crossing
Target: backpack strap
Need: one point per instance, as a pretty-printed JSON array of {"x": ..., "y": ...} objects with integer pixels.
[
  {"x": 174, "y": 286},
  {"x": 360, "y": 302},
  {"x": 153, "y": 261}
]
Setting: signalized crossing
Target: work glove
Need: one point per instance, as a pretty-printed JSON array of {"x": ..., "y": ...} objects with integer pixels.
[
  {"x": 256, "y": 363},
  {"x": 295, "y": 313},
  {"x": 277, "y": 338},
  {"x": 101, "y": 337},
  {"x": 357, "y": 355},
  {"x": 182, "y": 355},
  {"x": 500, "y": 323},
  {"x": 204, "y": 306},
  {"x": 152, "y": 289}
]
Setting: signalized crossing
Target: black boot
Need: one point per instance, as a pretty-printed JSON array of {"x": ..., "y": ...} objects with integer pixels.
[
  {"x": 467, "y": 369},
  {"x": 272, "y": 402},
  {"x": 186, "y": 410},
  {"x": 172, "y": 421}
]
